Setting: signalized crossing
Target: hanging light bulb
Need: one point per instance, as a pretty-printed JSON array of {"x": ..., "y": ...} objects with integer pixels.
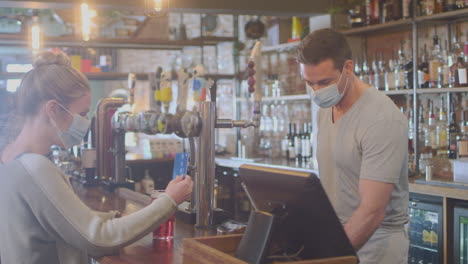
[
  {"x": 85, "y": 22},
  {"x": 156, "y": 7},
  {"x": 35, "y": 35}
]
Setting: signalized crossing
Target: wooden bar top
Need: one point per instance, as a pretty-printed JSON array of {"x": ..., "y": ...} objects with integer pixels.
[{"x": 145, "y": 250}]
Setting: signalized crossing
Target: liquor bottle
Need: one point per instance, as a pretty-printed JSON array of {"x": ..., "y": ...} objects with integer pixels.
[
  {"x": 462, "y": 72},
  {"x": 390, "y": 74},
  {"x": 455, "y": 54},
  {"x": 431, "y": 140},
  {"x": 400, "y": 69},
  {"x": 368, "y": 12},
  {"x": 406, "y": 9},
  {"x": 305, "y": 143},
  {"x": 442, "y": 141},
  {"x": 460, "y": 4},
  {"x": 384, "y": 10},
  {"x": 371, "y": 73},
  {"x": 439, "y": 6},
  {"x": 423, "y": 70},
  {"x": 444, "y": 69},
  {"x": 453, "y": 134},
  {"x": 311, "y": 138},
  {"x": 429, "y": 7},
  {"x": 376, "y": 72},
  {"x": 365, "y": 71},
  {"x": 462, "y": 142},
  {"x": 356, "y": 17},
  {"x": 375, "y": 11},
  {"x": 422, "y": 132},
  {"x": 397, "y": 12},
  {"x": 450, "y": 5},
  {"x": 291, "y": 147},
  {"x": 382, "y": 71},
  {"x": 357, "y": 68},
  {"x": 409, "y": 74},
  {"x": 435, "y": 62},
  {"x": 297, "y": 143}
]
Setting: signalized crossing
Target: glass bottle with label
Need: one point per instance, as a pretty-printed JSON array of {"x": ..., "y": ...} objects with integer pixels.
[
  {"x": 442, "y": 131},
  {"x": 435, "y": 62},
  {"x": 423, "y": 69},
  {"x": 453, "y": 134},
  {"x": 390, "y": 74},
  {"x": 382, "y": 70}
]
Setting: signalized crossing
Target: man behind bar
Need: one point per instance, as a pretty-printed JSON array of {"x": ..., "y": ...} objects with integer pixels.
[{"x": 361, "y": 150}]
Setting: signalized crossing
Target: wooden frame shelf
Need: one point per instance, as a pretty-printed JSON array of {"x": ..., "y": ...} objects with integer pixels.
[
  {"x": 22, "y": 40},
  {"x": 395, "y": 25},
  {"x": 406, "y": 23},
  {"x": 114, "y": 76}
]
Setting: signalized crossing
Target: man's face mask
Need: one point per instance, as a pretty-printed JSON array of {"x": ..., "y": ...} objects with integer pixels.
[
  {"x": 330, "y": 95},
  {"x": 76, "y": 132}
]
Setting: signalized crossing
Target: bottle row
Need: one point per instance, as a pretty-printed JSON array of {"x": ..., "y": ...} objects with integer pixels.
[
  {"x": 443, "y": 67},
  {"x": 372, "y": 12}
]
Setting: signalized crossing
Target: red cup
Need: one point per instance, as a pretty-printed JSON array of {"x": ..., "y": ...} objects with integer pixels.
[{"x": 166, "y": 230}]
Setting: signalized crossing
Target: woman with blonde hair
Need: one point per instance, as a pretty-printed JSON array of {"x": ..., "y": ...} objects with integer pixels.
[{"x": 43, "y": 220}]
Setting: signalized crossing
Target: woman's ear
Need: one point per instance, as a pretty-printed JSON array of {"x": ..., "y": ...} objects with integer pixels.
[
  {"x": 349, "y": 67},
  {"x": 51, "y": 109}
]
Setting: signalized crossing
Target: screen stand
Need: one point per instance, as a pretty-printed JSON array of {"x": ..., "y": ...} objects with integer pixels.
[{"x": 254, "y": 245}]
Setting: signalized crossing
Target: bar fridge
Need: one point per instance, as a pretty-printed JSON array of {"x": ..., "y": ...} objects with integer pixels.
[
  {"x": 425, "y": 229},
  {"x": 460, "y": 233}
]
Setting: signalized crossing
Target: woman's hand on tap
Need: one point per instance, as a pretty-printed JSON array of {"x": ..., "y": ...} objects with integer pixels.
[{"x": 180, "y": 189}]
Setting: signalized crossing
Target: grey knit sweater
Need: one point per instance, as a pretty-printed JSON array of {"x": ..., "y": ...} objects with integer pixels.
[{"x": 43, "y": 221}]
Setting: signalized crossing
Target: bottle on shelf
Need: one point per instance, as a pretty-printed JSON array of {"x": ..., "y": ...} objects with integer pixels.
[
  {"x": 365, "y": 71},
  {"x": 442, "y": 141},
  {"x": 435, "y": 63},
  {"x": 407, "y": 9},
  {"x": 460, "y": 4},
  {"x": 458, "y": 71},
  {"x": 423, "y": 70},
  {"x": 409, "y": 74},
  {"x": 431, "y": 140},
  {"x": 382, "y": 72},
  {"x": 422, "y": 130},
  {"x": 291, "y": 154},
  {"x": 444, "y": 69},
  {"x": 450, "y": 5},
  {"x": 357, "y": 67},
  {"x": 439, "y": 6},
  {"x": 305, "y": 142},
  {"x": 400, "y": 78},
  {"x": 376, "y": 72},
  {"x": 411, "y": 142},
  {"x": 429, "y": 7},
  {"x": 453, "y": 134},
  {"x": 297, "y": 142},
  {"x": 390, "y": 74}
]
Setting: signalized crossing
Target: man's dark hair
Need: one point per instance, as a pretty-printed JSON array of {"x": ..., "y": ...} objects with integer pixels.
[{"x": 324, "y": 44}]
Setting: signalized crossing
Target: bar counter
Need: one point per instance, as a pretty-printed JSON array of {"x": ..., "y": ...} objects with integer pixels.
[{"x": 145, "y": 250}]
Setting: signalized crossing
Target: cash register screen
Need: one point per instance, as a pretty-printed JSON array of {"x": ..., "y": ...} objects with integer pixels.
[{"x": 307, "y": 223}]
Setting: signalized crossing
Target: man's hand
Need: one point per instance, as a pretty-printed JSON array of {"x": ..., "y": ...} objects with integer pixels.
[{"x": 370, "y": 213}]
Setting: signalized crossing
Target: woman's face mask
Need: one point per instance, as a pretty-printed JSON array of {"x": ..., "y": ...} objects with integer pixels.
[
  {"x": 75, "y": 133},
  {"x": 330, "y": 95}
]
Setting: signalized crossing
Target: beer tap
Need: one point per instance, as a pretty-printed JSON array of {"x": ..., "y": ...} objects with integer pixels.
[{"x": 195, "y": 119}]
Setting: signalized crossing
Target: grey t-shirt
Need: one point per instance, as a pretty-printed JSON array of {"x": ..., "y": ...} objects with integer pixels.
[{"x": 370, "y": 142}]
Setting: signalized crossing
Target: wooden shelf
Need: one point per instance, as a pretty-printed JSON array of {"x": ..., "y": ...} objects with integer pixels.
[
  {"x": 399, "y": 24},
  {"x": 399, "y": 92},
  {"x": 406, "y": 23},
  {"x": 445, "y": 16},
  {"x": 296, "y": 97},
  {"x": 443, "y": 90},
  {"x": 21, "y": 40},
  {"x": 281, "y": 47},
  {"x": 114, "y": 76}
]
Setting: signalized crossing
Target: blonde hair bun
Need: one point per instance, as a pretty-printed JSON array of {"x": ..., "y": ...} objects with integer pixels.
[{"x": 51, "y": 58}]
